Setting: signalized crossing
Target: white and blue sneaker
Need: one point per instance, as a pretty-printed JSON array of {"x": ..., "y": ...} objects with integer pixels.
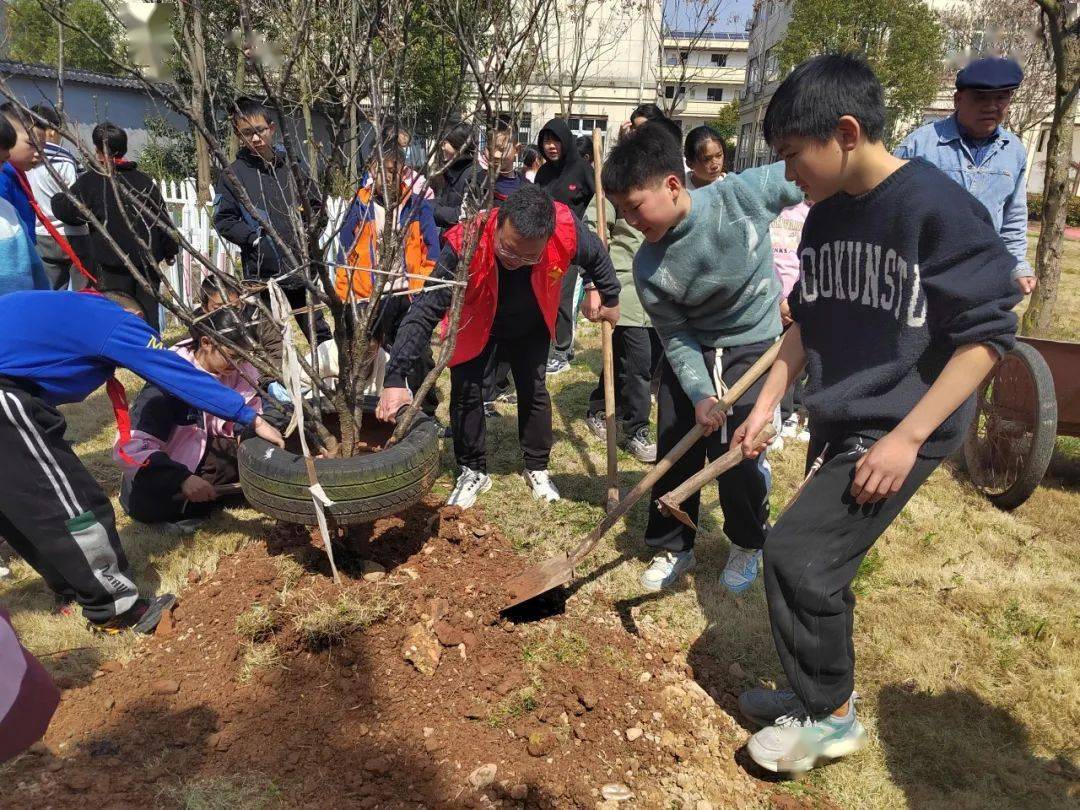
[
  {"x": 665, "y": 568},
  {"x": 796, "y": 743},
  {"x": 741, "y": 568}
]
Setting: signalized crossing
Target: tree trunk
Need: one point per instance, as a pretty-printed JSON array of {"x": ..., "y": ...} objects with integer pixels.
[
  {"x": 198, "y": 104},
  {"x": 239, "y": 81},
  {"x": 1048, "y": 255}
]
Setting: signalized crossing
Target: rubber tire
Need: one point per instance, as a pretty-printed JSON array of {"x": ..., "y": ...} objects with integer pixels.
[
  {"x": 362, "y": 488},
  {"x": 1043, "y": 436}
]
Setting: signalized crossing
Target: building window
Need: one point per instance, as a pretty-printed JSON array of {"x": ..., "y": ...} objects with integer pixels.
[
  {"x": 683, "y": 56},
  {"x": 719, "y": 59},
  {"x": 1042, "y": 140},
  {"x": 715, "y": 93},
  {"x": 669, "y": 90},
  {"x": 671, "y": 60},
  {"x": 585, "y": 126},
  {"x": 772, "y": 64}
]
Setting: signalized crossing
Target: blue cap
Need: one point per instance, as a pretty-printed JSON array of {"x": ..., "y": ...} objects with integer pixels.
[{"x": 991, "y": 73}]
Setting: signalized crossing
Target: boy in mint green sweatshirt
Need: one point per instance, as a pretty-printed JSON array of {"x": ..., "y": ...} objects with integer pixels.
[{"x": 705, "y": 277}]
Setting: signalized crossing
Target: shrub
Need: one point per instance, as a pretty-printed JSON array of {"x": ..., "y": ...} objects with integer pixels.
[{"x": 1072, "y": 215}]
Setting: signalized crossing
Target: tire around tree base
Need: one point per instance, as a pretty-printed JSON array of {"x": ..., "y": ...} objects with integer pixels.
[{"x": 363, "y": 488}]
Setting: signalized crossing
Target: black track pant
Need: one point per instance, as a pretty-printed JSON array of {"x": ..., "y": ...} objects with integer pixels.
[
  {"x": 53, "y": 512},
  {"x": 811, "y": 557},
  {"x": 527, "y": 357},
  {"x": 744, "y": 490},
  {"x": 633, "y": 349},
  {"x": 154, "y": 494}
]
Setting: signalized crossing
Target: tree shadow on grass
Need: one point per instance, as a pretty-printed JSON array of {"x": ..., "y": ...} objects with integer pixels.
[{"x": 951, "y": 749}]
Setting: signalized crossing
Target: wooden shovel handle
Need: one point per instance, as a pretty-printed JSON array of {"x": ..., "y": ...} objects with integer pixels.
[
  {"x": 741, "y": 386},
  {"x": 713, "y": 470},
  {"x": 606, "y": 331}
]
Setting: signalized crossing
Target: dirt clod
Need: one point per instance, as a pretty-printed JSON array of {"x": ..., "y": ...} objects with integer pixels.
[
  {"x": 165, "y": 686},
  {"x": 448, "y": 635},
  {"x": 421, "y": 649},
  {"x": 483, "y": 776},
  {"x": 541, "y": 743}
]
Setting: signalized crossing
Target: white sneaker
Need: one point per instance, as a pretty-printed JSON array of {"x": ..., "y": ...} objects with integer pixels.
[
  {"x": 777, "y": 445},
  {"x": 4, "y": 571},
  {"x": 470, "y": 485},
  {"x": 540, "y": 482},
  {"x": 741, "y": 568},
  {"x": 666, "y": 567}
]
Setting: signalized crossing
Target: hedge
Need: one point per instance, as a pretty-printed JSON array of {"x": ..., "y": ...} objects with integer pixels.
[{"x": 1035, "y": 205}]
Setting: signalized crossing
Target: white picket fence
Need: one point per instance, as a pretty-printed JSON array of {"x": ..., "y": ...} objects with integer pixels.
[{"x": 194, "y": 223}]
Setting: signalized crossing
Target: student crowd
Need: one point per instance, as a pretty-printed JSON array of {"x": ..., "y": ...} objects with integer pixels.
[{"x": 889, "y": 278}]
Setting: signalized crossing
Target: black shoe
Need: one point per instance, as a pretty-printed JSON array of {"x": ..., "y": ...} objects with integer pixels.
[
  {"x": 142, "y": 617},
  {"x": 597, "y": 425},
  {"x": 507, "y": 397},
  {"x": 490, "y": 410}
]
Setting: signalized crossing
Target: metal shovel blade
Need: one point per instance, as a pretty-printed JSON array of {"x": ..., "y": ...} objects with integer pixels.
[{"x": 539, "y": 579}]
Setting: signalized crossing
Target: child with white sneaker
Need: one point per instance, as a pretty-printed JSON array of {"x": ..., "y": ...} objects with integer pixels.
[
  {"x": 705, "y": 276},
  {"x": 902, "y": 308}
]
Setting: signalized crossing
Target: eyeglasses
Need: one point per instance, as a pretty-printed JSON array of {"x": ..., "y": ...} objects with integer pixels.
[
  {"x": 260, "y": 132},
  {"x": 510, "y": 256}
]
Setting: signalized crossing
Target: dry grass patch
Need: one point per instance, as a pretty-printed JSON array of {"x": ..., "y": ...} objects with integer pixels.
[
  {"x": 258, "y": 622},
  {"x": 259, "y": 657},
  {"x": 252, "y": 792},
  {"x": 322, "y": 623}
]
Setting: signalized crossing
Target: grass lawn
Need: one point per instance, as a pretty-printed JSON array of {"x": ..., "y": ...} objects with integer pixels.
[{"x": 967, "y": 627}]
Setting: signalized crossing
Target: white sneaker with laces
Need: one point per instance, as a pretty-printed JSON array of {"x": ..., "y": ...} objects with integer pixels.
[
  {"x": 470, "y": 485},
  {"x": 665, "y": 568},
  {"x": 540, "y": 483},
  {"x": 741, "y": 568}
]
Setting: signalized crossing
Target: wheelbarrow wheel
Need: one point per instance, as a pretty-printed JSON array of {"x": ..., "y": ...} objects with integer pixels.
[{"x": 1009, "y": 442}]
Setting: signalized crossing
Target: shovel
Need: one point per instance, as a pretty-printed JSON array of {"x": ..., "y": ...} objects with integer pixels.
[
  {"x": 559, "y": 570},
  {"x": 608, "y": 354},
  {"x": 671, "y": 503}
]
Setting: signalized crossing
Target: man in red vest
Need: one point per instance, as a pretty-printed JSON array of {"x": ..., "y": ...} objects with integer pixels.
[{"x": 523, "y": 251}]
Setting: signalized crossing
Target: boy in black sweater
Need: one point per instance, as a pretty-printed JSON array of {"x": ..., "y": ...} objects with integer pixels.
[
  {"x": 130, "y": 207},
  {"x": 903, "y": 307}
]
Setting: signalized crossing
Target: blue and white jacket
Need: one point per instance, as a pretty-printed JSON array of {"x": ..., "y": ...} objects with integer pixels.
[{"x": 20, "y": 265}]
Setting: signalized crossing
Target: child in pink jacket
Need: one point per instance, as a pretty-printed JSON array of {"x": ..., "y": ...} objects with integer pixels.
[{"x": 177, "y": 455}]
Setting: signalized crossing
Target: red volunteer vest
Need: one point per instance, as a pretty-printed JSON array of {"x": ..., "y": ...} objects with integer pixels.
[{"x": 482, "y": 292}]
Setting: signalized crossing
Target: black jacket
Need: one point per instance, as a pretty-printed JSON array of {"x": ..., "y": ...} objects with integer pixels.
[
  {"x": 274, "y": 194},
  {"x": 145, "y": 207},
  {"x": 456, "y": 179},
  {"x": 570, "y": 179}
]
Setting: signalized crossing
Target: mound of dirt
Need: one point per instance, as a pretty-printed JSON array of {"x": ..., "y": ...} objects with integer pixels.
[{"x": 404, "y": 687}]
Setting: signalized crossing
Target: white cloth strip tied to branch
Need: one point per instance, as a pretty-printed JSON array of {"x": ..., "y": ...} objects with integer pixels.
[{"x": 279, "y": 305}]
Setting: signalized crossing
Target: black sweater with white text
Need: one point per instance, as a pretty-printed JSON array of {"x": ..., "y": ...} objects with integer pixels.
[{"x": 891, "y": 283}]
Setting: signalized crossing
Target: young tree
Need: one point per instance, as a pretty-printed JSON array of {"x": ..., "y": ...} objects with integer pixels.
[
  {"x": 300, "y": 57},
  {"x": 690, "y": 23},
  {"x": 579, "y": 42},
  {"x": 34, "y": 35},
  {"x": 727, "y": 121},
  {"x": 1061, "y": 29},
  {"x": 903, "y": 42}
]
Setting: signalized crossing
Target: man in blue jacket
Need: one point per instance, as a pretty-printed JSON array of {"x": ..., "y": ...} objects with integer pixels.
[
  {"x": 52, "y": 511},
  {"x": 972, "y": 148}
]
